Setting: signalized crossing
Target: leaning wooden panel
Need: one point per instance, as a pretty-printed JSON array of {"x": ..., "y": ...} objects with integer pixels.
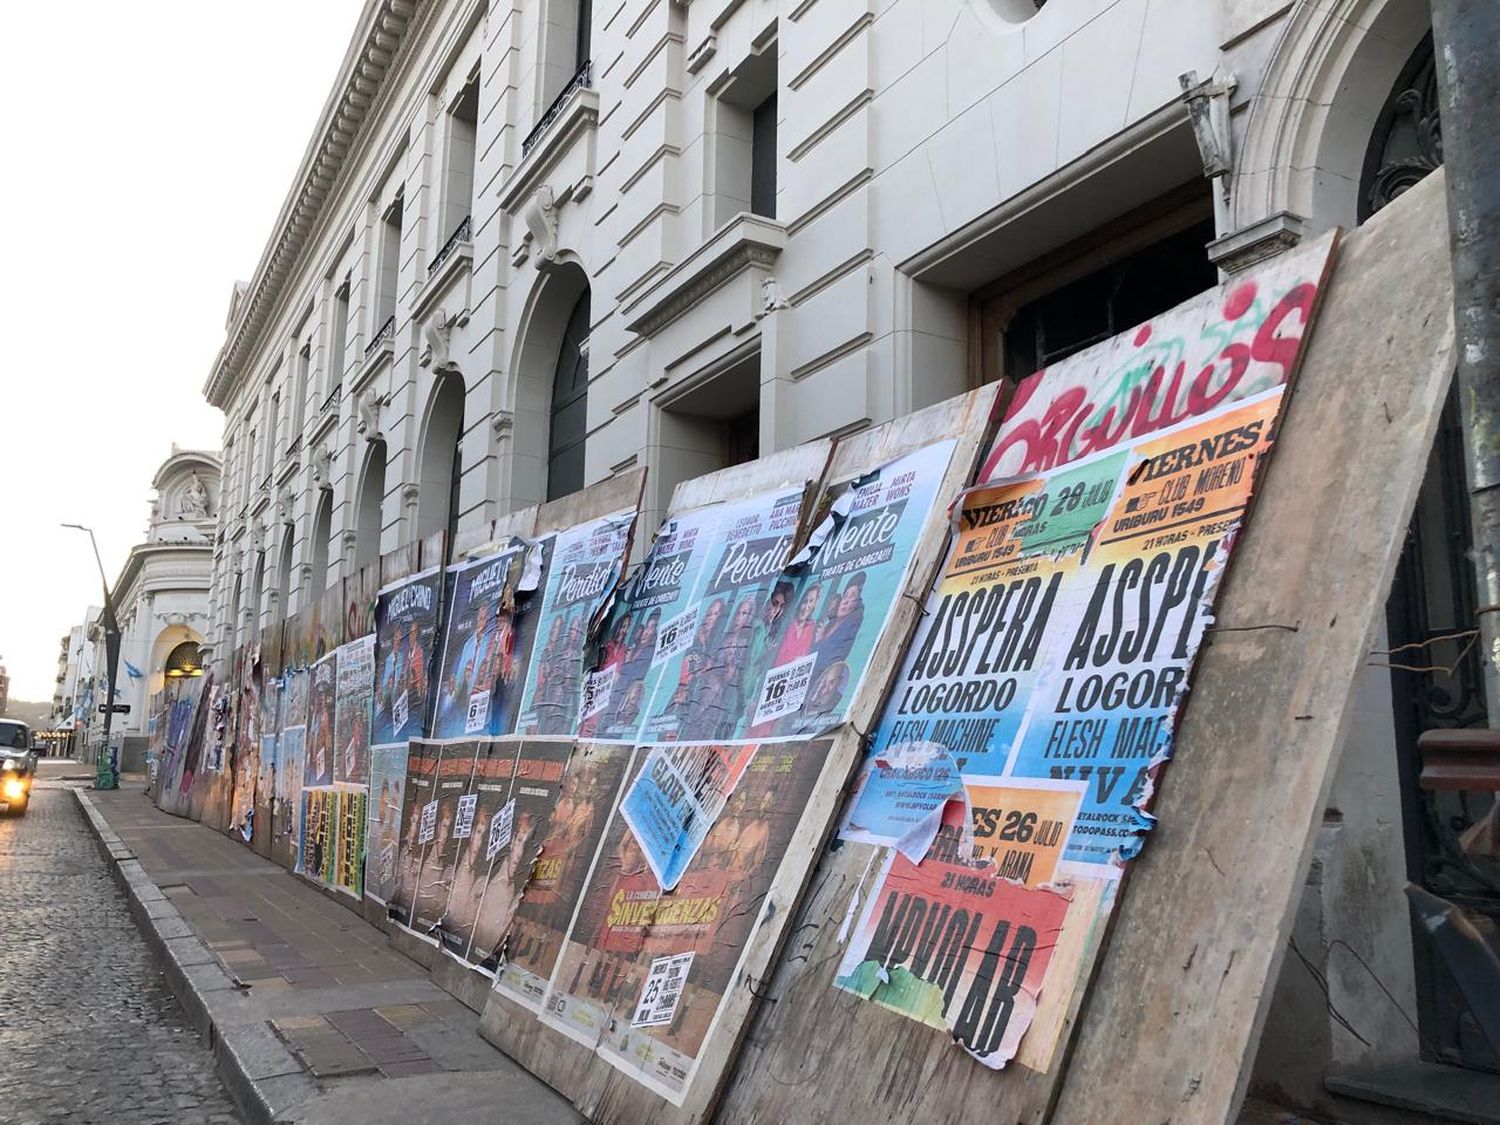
[
  {"x": 1200, "y": 936},
  {"x": 613, "y": 494},
  {"x": 609, "y": 1094}
]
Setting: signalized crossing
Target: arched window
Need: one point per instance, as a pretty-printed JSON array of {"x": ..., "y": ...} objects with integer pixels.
[
  {"x": 371, "y": 496},
  {"x": 284, "y": 572},
  {"x": 317, "y": 548},
  {"x": 441, "y": 463},
  {"x": 568, "y": 430},
  {"x": 257, "y": 595}
]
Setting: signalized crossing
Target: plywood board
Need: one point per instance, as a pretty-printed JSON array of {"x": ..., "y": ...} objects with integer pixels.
[
  {"x": 1203, "y": 925},
  {"x": 1170, "y": 1028},
  {"x": 598, "y": 1089}
]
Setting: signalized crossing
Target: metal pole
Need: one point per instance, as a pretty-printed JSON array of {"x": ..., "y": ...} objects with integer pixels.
[
  {"x": 1466, "y": 38},
  {"x": 107, "y": 766}
]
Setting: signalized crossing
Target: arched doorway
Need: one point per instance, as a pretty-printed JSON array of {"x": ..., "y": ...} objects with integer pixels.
[
  {"x": 1433, "y": 611},
  {"x": 567, "y": 431},
  {"x": 440, "y": 460},
  {"x": 184, "y": 661},
  {"x": 368, "y": 513}
]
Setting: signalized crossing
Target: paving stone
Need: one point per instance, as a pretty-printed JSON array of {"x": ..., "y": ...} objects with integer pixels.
[{"x": 91, "y": 1031}]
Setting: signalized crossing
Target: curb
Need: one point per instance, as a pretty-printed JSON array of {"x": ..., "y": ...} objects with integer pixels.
[{"x": 263, "y": 1077}]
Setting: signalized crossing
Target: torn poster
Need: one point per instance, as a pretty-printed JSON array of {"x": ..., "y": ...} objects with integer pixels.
[
  {"x": 625, "y": 922},
  {"x": 680, "y": 793},
  {"x": 406, "y": 621},
  {"x": 808, "y": 656},
  {"x": 351, "y": 724},
  {"x": 583, "y": 566},
  {"x": 476, "y": 685},
  {"x": 1128, "y": 626},
  {"x": 1056, "y": 654},
  {"x": 589, "y": 791},
  {"x": 952, "y": 944}
]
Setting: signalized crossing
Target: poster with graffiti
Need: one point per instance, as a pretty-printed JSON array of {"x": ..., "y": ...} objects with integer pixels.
[
  {"x": 355, "y": 680},
  {"x": 952, "y": 943},
  {"x": 383, "y": 820},
  {"x": 349, "y": 862},
  {"x": 417, "y": 812},
  {"x": 488, "y": 793},
  {"x": 322, "y": 693},
  {"x": 583, "y": 567},
  {"x": 513, "y": 842},
  {"x": 477, "y": 686},
  {"x": 590, "y": 789},
  {"x": 702, "y": 694},
  {"x": 1022, "y": 737},
  {"x": 626, "y": 923},
  {"x": 967, "y": 678},
  {"x": 672, "y": 806},
  {"x": 440, "y": 836},
  {"x": 1232, "y": 343},
  {"x": 652, "y": 621},
  {"x": 406, "y": 625},
  {"x": 316, "y": 856},
  {"x": 1131, "y": 620}
]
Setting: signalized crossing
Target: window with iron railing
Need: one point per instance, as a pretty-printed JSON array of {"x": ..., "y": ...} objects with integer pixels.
[
  {"x": 385, "y": 332},
  {"x": 464, "y": 233},
  {"x": 581, "y": 80}
]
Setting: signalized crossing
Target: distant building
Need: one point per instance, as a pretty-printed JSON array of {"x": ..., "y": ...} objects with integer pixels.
[
  {"x": 161, "y": 600},
  {"x": 4, "y": 688}
]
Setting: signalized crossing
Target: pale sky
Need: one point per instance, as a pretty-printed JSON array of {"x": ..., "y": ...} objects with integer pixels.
[{"x": 149, "y": 147}]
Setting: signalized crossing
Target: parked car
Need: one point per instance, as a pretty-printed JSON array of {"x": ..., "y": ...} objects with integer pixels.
[{"x": 17, "y": 766}]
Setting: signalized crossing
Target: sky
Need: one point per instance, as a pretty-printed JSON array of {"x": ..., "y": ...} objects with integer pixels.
[{"x": 150, "y": 146}]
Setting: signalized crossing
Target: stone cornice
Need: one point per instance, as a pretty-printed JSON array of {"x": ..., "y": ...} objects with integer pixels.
[
  {"x": 382, "y": 32},
  {"x": 746, "y": 241}
]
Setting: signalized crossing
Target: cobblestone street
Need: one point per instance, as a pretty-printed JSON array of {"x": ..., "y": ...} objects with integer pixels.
[{"x": 89, "y": 1031}]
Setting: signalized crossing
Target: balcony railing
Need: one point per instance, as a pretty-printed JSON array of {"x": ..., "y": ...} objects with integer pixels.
[
  {"x": 385, "y": 332},
  {"x": 579, "y": 81},
  {"x": 455, "y": 240},
  {"x": 332, "y": 400}
]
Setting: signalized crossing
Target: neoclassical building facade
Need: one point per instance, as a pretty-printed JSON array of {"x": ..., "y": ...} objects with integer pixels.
[
  {"x": 161, "y": 598},
  {"x": 534, "y": 243}
]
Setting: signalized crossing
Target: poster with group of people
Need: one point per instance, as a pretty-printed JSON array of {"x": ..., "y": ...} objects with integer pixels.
[{"x": 1011, "y": 772}]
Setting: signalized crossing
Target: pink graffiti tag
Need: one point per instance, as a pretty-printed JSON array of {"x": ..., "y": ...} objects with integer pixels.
[{"x": 1051, "y": 422}]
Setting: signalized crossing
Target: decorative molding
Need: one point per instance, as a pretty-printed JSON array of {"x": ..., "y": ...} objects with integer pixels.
[
  {"x": 541, "y": 224},
  {"x": 439, "y": 333},
  {"x": 746, "y": 242},
  {"x": 322, "y": 465},
  {"x": 771, "y": 299},
  {"x": 384, "y": 31},
  {"x": 368, "y": 406},
  {"x": 1250, "y": 245}
]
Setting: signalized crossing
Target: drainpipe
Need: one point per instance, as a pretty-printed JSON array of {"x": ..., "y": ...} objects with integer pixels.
[{"x": 1466, "y": 37}]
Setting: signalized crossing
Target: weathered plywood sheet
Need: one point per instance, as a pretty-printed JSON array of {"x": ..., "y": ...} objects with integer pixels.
[
  {"x": 1203, "y": 924},
  {"x": 1320, "y": 549},
  {"x": 597, "y": 1088}
]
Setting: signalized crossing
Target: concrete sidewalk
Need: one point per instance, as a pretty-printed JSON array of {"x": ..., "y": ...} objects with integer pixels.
[{"x": 313, "y": 1017}]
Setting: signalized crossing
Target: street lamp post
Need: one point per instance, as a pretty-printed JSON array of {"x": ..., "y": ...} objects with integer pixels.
[{"x": 106, "y": 766}]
